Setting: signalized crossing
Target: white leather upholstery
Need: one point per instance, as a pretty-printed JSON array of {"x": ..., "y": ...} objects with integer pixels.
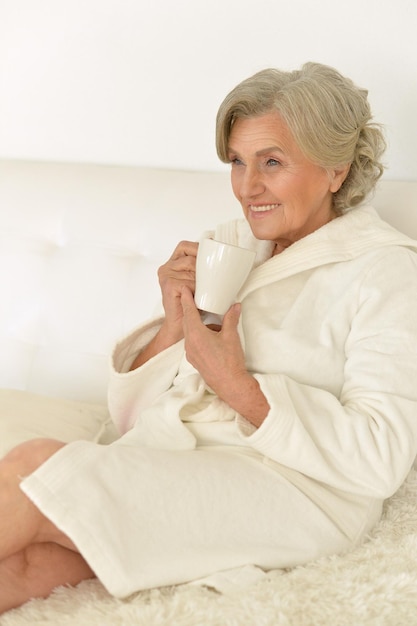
[{"x": 79, "y": 250}]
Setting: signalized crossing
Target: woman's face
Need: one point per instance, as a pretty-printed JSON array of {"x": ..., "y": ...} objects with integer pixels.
[{"x": 284, "y": 196}]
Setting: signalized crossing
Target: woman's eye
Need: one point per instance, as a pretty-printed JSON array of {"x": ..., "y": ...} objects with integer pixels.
[
  {"x": 235, "y": 161},
  {"x": 272, "y": 162}
]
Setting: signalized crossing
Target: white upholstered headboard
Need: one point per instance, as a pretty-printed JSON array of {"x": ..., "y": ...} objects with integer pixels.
[{"x": 79, "y": 249}]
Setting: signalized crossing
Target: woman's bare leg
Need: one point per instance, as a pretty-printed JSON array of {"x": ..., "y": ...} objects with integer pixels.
[
  {"x": 35, "y": 556},
  {"x": 36, "y": 571}
]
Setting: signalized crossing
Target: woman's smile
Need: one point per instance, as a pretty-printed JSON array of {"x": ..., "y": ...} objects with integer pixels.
[{"x": 262, "y": 208}]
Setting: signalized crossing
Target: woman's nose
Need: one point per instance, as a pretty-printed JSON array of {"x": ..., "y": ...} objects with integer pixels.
[{"x": 252, "y": 183}]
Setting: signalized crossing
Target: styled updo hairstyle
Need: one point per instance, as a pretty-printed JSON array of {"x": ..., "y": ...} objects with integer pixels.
[{"x": 328, "y": 116}]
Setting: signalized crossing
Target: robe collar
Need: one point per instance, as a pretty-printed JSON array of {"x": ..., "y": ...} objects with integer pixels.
[{"x": 349, "y": 236}]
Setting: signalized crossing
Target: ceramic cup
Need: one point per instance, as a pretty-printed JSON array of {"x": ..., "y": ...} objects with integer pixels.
[{"x": 221, "y": 270}]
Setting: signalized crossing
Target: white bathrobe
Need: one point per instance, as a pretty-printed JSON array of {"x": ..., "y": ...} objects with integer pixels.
[{"x": 329, "y": 329}]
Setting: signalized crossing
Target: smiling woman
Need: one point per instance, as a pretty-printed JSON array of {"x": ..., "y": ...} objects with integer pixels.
[{"x": 275, "y": 439}]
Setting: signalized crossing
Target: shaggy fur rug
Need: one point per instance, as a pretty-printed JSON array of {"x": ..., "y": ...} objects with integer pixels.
[{"x": 373, "y": 585}]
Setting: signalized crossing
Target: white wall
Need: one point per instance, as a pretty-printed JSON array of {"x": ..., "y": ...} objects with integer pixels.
[{"x": 139, "y": 81}]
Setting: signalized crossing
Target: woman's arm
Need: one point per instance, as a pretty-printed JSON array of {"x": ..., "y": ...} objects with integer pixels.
[{"x": 162, "y": 340}]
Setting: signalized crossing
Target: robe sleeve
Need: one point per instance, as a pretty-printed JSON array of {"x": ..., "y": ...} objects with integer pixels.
[
  {"x": 129, "y": 392},
  {"x": 363, "y": 440}
]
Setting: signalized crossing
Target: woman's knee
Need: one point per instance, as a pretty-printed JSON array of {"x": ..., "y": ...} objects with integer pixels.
[{"x": 26, "y": 457}]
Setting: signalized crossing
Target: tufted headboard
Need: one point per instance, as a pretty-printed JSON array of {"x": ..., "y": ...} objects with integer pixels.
[{"x": 79, "y": 249}]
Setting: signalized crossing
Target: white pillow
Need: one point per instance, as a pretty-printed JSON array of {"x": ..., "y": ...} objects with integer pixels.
[{"x": 25, "y": 415}]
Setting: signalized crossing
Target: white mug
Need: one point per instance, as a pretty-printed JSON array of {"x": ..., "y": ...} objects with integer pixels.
[{"x": 221, "y": 270}]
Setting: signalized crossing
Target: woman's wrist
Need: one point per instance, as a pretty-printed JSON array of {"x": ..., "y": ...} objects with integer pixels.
[
  {"x": 164, "y": 338},
  {"x": 246, "y": 397}
]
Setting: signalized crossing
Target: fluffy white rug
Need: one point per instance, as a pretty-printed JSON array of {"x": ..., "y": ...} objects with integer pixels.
[{"x": 373, "y": 585}]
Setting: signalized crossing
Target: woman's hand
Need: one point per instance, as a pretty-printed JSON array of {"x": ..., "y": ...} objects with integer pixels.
[
  {"x": 219, "y": 358},
  {"x": 216, "y": 353},
  {"x": 178, "y": 271}
]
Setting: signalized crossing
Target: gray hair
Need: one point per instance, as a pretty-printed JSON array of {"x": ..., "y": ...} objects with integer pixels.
[{"x": 328, "y": 116}]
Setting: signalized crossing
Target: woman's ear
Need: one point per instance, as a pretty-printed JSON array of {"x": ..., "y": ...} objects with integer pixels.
[{"x": 337, "y": 176}]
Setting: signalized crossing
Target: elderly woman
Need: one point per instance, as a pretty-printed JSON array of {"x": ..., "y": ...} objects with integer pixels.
[{"x": 275, "y": 439}]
